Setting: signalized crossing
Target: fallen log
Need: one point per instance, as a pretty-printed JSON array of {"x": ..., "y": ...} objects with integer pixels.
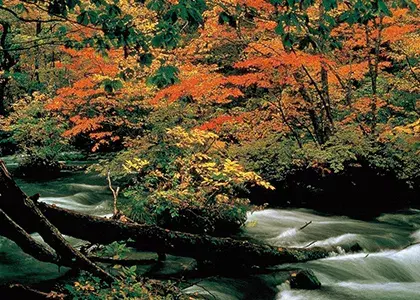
[
  {"x": 155, "y": 239},
  {"x": 69, "y": 255},
  {"x": 223, "y": 251},
  {"x": 11, "y": 230},
  {"x": 14, "y": 202}
]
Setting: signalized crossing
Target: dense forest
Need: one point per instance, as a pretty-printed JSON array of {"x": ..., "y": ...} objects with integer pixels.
[{"x": 197, "y": 113}]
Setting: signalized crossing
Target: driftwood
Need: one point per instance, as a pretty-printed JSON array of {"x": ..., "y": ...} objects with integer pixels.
[{"x": 23, "y": 215}]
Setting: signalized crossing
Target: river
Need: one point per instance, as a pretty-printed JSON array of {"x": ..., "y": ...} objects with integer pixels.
[{"x": 388, "y": 267}]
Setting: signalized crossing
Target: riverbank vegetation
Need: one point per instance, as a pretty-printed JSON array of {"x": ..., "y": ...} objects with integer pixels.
[{"x": 201, "y": 111}]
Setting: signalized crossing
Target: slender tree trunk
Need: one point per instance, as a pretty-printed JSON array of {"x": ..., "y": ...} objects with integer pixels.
[
  {"x": 326, "y": 97},
  {"x": 279, "y": 105},
  {"x": 325, "y": 93},
  {"x": 37, "y": 54},
  {"x": 316, "y": 123},
  {"x": 3, "y": 85},
  {"x": 374, "y": 67}
]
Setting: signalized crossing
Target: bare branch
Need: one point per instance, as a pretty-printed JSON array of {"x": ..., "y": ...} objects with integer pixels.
[{"x": 115, "y": 193}]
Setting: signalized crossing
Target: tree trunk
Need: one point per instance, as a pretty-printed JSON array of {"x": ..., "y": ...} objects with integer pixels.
[
  {"x": 224, "y": 251},
  {"x": 156, "y": 239}
]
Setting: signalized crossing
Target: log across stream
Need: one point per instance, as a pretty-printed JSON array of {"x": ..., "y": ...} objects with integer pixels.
[
  {"x": 382, "y": 270},
  {"x": 21, "y": 215}
]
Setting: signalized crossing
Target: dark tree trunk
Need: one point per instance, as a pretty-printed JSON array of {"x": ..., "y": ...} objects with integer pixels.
[{"x": 6, "y": 64}]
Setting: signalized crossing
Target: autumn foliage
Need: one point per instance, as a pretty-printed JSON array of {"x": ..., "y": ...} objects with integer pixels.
[{"x": 248, "y": 70}]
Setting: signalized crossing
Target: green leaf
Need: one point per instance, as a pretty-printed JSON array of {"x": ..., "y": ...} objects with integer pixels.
[
  {"x": 62, "y": 30},
  {"x": 83, "y": 18},
  {"x": 155, "y": 5},
  {"x": 72, "y": 3},
  {"x": 113, "y": 11},
  {"x": 146, "y": 59},
  {"x": 158, "y": 40},
  {"x": 57, "y": 7},
  {"x": 167, "y": 37},
  {"x": 329, "y": 4},
  {"x": 93, "y": 16},
  {"x": 164, "y": 76},
  {"x": 288, "y": 40},
  {"x": 410, "y": 4},
  {"x": 98, "y": 2},
  {"x": 195, "y": 15},
  {"x": 279, "y": 29},
  {"x": 111, "y": 86},
  {"x": 383, "y": 8},
  {"x": 225, "y": 18},
  {"x": 20, "y": 8}
]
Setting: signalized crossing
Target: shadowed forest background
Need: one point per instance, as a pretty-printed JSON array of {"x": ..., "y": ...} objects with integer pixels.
[{"x": 197, "y": 113}]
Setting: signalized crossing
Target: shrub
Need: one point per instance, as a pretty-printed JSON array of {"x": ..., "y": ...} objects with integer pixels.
[
  {"x": 37, "y": 134},
  {"x": 185, "y": 182}
]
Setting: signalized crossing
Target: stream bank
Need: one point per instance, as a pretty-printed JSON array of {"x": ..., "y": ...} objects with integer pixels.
[{"x": 386, "y": 267}]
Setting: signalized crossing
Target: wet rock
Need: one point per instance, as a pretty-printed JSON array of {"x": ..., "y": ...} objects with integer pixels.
[
  {"x": 356, "y": 248},
  {"x": 304, "y": 279}
]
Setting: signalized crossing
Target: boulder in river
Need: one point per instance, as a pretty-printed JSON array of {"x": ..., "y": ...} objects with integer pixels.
[
  {"x": 356, "y": 248},
  {"x": 304, "y": 279}
]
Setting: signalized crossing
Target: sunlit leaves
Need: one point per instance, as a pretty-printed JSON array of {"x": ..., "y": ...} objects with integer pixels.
[
  {"x": 195, "y": 177},
  {"x": 135, "y": 165}
]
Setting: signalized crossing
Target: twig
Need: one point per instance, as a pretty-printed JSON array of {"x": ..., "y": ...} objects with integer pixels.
[
  {"x": 306, "y": 225},
  {"x": 311, "y": 243}
]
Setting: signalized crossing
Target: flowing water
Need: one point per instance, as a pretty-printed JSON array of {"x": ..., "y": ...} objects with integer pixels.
[{"x": 388, "y": 267}]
